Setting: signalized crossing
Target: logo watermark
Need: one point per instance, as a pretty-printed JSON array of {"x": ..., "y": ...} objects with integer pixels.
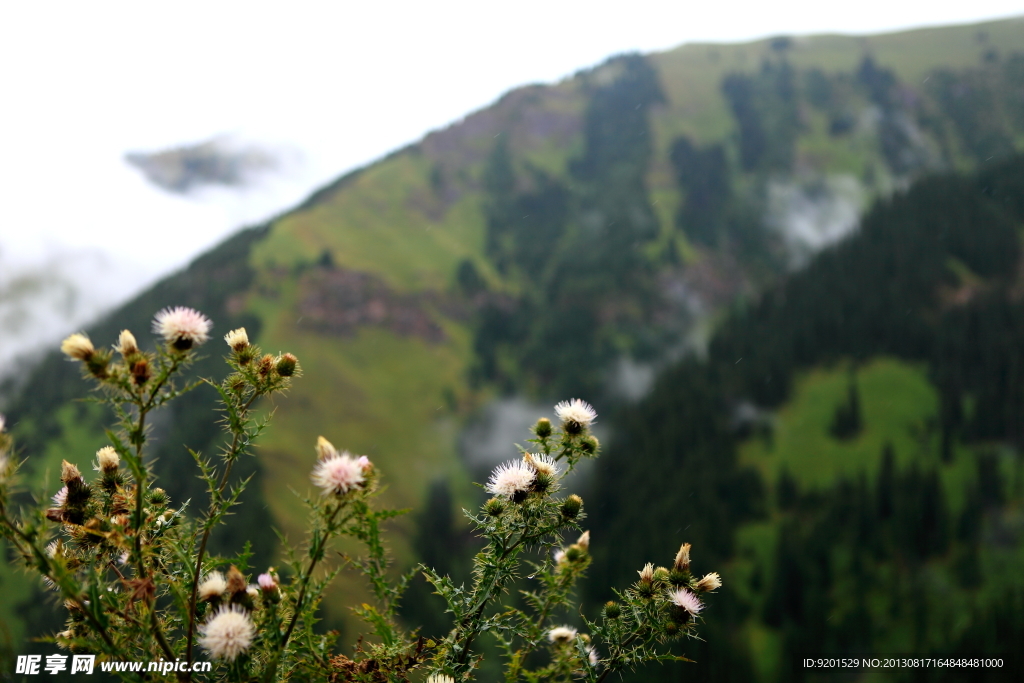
[{"x": 86, "y": 664}]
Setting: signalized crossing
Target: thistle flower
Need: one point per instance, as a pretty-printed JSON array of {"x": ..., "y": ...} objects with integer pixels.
[
  {"x": 576, "y": 415},
  {"x": 440, "y": 678},
  {"x": 647, "y": 574},
  {"x": 559, "y": 556},
  {"x": 684, "y": 599},
  {"x": 126, "y": 344},
  {"x": 213, "y": 586},
  {"x": 237, "y": 339},
  {"x": 542, "y": 464},
  {"x": 107, "y": 460},
  {"x": 338, "y": 473},
  {"x": 511, "y": 478},
  {"x": 182, "y": 327},
  {"x": 592, "y": 656},
  {"x": 710, "y": 582},
  {"x": 561, "y": 634},
  {"x": 60, "y": 499},
  {"x": 267, "y": 581},
  {"x": 228, "y": 634},
  {"x": 78, "y": 347},
  {"x": 584, "y": 540}
]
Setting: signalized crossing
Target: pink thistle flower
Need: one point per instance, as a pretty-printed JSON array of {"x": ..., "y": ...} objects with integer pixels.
[
  {"x": 266, "y": 581},
  {"x": 182, "y": 327},
  {"x": 338, "y": 473},
  {"x": 60, "y": 499},
  {"x": 684, "y": 599}
]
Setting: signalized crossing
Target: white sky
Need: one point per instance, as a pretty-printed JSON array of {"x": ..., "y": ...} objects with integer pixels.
[{"x": 81, "y": 83}]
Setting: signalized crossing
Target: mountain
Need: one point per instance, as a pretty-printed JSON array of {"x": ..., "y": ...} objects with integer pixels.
[{"x": 571, "y": 239}]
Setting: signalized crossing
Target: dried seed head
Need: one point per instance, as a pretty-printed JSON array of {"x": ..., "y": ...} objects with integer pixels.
[
  {"x": 78, "y": 347},
  {"x": 710, "y": 582},
  {"x": 126, "y": 344},
  {"x": 682, "y": 562}
]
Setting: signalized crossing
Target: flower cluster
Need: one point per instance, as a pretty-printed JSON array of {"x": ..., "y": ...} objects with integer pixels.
[{"x": 138, "y": 581}]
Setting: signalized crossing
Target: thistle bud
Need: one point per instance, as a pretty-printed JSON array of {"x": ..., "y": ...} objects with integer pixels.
[
  {"x": 126, "y": 344},
  {"x": 661, "y": 575},
  {"x": 612, "y": 610},
  {"x": 107, "y": 460},
  {"x": 324, "y": 449},
  {"x": 682, "y": 562},
  {"x": 97, "y": 363},
  {"x": 571, "y": 506},
  {"x": 542, "y": 428},
  {"x": 287, "y": 364},
  {"x": 710, "y": 582},
  {"x": 141, "y": 372},
  {"x": 266, "y": 364},
  {"x": 78, "y": 347},
  {"x": 238, "y": 340},
  {"x": 159, "y": 497},
  {"x": 590, "y": 445},
  {"x": 647, "y": 574},
  {"x": 575, "y": 553},
  {"x": 494, "y": 507}
]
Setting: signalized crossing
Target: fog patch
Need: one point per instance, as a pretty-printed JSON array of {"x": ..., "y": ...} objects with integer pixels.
[
  {"x": 811, "y": 215},
  {"x": 46, "y": 296},
  {"x": 632, "y": 379}
]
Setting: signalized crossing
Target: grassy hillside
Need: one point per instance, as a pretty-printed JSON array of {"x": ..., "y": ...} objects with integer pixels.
[{"x": 531, "y": 246}]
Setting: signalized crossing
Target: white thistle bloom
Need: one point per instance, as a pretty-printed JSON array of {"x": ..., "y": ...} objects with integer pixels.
[
  {"x": 182, "y": 327},
  {"x": 584, "y": 540},
  {"x": 440, "y": 678},
  {"x": 542, "y": 463},
  {"x": 510, "y": 478},
  {"x": 686, "y": 600},
  {"x": 228, "y": 634},
  {"x": 575, "y": 414},
  {"x": 237, "y": 339},
  {"x": 592, "y": 656},
  {"x": 54, "y": 549},
  {"x": 213, "y": 586},
  {"x": 338, "y": 473},
  {"x": 561, "y": 634},
  {"x": 559, "y": 556},
  {"x": 107, "y": 459}
]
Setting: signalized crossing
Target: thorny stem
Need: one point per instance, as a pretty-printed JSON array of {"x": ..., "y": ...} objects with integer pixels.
[
  {"x": 206, "y": 538},
  {"x": 315, "y": 557}
]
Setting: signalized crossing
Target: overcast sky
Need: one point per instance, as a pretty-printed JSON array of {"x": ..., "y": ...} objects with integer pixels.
[{"x": 84, "y": 82}]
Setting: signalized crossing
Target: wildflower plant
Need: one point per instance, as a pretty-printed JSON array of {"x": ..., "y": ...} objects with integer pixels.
[{"x": 135, "y": 575}]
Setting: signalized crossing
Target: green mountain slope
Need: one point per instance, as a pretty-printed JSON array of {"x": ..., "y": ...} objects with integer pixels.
[
  {"x": 850, "y": 451},
  {"x": 533, "y": 245}
]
